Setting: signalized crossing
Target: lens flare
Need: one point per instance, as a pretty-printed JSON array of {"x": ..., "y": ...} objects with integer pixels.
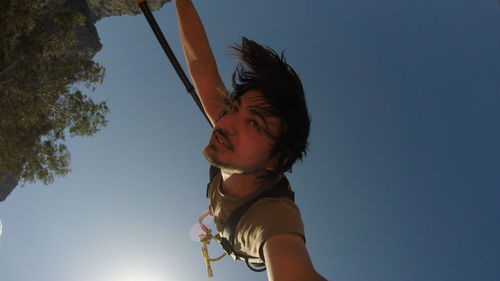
[{"x": 196, "y": 230}]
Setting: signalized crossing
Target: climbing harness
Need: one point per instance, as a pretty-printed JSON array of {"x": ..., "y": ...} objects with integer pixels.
[{"x": 170, "y": 54}]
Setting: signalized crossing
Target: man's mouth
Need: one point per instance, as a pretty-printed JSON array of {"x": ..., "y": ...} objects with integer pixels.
[{"x": 222, "y": 139}]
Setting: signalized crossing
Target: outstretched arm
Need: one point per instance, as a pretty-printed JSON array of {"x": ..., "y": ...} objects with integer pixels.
[
  {"x": 287, "y": 259},
  {"x": 200, "y": 60}
]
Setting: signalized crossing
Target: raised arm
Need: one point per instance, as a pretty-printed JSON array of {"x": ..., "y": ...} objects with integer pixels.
[{"x": 200, "y": 60}]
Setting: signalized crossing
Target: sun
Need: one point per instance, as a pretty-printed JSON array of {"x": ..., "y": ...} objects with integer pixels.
[
  {"x": 137, "y": 275},
  {"x": 137, "y": 269}
]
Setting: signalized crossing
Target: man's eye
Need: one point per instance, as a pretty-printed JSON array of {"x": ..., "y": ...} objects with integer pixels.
[{"x": 254, "y": 124}]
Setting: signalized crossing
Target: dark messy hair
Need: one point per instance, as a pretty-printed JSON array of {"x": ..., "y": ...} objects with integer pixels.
[{"x": 262, "y": 69}]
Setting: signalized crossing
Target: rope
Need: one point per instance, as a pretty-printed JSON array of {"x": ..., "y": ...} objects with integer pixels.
[
  {"x": 143, "y": 5},
  {"x": 205, "y": 240}
]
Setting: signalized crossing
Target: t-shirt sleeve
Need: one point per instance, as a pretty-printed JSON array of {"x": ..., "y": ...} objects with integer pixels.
[{"x": 266, "y": 218}]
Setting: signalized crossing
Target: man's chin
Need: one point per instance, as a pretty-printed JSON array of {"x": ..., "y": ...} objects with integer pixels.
[
  {"x": 214, "y": 161},
  {"x": 209, "y": 153}
]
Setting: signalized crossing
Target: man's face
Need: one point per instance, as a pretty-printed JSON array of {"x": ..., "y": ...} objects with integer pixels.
[{"x": 243, "y": 138}]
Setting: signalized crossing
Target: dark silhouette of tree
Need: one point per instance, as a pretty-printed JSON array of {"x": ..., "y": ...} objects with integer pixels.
[{"x": 41, "y": 66}]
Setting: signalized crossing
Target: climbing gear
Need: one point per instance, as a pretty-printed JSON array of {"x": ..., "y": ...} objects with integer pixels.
[
  {"x": 205, "y": 240},
  {"x": 170, "y": 54},
  {"x": 281, "y": 189}
]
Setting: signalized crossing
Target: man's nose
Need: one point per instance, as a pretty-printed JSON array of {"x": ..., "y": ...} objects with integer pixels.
[{"x": 229, "y": 122}]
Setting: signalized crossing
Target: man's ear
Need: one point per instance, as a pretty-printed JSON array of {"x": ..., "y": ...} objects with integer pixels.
[{"x": 273, "y": 162}]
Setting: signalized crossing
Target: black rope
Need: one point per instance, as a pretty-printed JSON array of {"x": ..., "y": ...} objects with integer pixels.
[
  {"x": 255, "y": 265},
  {"x": 170, "y": 54}
]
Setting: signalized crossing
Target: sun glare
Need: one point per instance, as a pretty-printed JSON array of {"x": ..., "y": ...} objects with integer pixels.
[
  {"x": 132, "y": 270},
  {"x": 132, "y": 275}
]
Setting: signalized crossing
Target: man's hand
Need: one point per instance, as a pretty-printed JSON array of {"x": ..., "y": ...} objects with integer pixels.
[{"x": 287, "y": 259}]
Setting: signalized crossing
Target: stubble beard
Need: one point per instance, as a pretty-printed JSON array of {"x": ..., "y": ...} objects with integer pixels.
[{"x": 210, "y": 153}]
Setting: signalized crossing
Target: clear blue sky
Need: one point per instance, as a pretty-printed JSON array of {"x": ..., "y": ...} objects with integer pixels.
[{"x": 401, "y": 182}]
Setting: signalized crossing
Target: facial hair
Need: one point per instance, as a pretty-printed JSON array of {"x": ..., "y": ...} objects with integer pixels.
[{"x": 214, "y": 161}]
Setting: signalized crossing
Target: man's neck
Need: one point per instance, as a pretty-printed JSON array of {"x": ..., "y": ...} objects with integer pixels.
[{"x": 242, "y": 185}]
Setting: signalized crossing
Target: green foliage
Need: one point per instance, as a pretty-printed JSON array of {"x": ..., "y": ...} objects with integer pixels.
[{"x": 40, "y": 67}]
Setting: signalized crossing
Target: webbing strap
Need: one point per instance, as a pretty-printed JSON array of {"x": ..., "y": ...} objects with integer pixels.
[
  {"x": 170, "y": 54},
  {"x": 282, "y": 189}
]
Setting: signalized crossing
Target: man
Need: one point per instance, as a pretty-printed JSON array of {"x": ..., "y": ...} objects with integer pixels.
[{"x": 259, "y": 131}]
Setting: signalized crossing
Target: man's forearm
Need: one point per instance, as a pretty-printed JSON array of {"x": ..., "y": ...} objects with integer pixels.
[
  {"x": 193, "y": 37},
  {"x": 199, "y": 58}
]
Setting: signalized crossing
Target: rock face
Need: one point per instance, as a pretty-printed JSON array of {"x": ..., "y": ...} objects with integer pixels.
[
  {"x": 106, "y": 8},
  {"x": 99, "y": 9},
  {"x": 87, "y": 38},
  {"x": 95, "y": 10},
  {"x": 6, "y": 187}
]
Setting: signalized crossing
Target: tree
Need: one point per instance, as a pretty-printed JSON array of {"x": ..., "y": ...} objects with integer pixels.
[{"x": 41, "y": 67}]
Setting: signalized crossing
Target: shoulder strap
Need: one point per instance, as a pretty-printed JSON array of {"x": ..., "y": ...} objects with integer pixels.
[{"x": 282, "y": 189}]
